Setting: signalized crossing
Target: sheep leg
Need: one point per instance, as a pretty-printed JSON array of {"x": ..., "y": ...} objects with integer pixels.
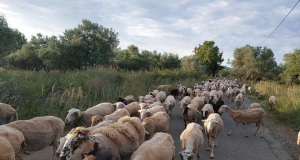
[
  {"x": 258, "y": 125},
  {"x": 212, "y": 145},
  {"x": 55, "y": 145},
  {"x": 263, "y": 129},
  {"x": 208, "y": 140},
  {"x": 232, "y": 129},
  {"x": 246, "y": 135}
]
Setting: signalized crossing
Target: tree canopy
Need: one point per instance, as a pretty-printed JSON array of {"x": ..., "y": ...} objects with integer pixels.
[
  {"x": 291, "y": 74},
  {"x": 210, "y": 56}
]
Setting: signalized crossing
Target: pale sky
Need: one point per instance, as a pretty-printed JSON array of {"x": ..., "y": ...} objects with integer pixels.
[{"x": 174, "y": 26}]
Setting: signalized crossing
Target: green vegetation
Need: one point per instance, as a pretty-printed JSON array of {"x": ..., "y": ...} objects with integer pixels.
[
  {"x": 40, "y": 93},
  {"x": 287, "y": 109}
]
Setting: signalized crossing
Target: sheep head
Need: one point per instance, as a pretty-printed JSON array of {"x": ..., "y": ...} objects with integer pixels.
[
  {"x": 96, "y": 119},
  {"x": 186, "y": 155},
  {"x": 222, "y": 109},
  {"x": 72, "y": 115},
  {"x": 78, "y": 142},
  {"x": 144, "y": 114},
  {"x": 119, "y": 105}
]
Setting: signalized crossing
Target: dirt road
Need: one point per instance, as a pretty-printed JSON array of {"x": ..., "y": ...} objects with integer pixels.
[{"x": 234, "y": 147}]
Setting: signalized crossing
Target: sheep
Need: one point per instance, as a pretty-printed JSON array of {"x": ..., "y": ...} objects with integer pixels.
[
  {"x": 150, "y": 112},
  {"x": 14, "y": 137},
  {"x": 7, "y": 151},
  {"x": 191, "y": 140},
  {"x": 169, "y": 104},
  {"x": 238, "y": 101},
  {"x": 62, "y": 140},
  {"x": 199, "y": 102},
  {"x": 249, "y": 89},
  {"x": 213, "y": 125},
  {"x": 256, "y": 115},
  {"x": 154, "y": 93},
  {"x": 272, "y": 102},
  {"x": 141, "y": 99},
  {"x": 254, "y": 105},
  {"x": 84, "y": 117},
  {"x": 159, "y": 122},
  {"x": 7, "y": 113},
  {"x": 197, "y": 92},
  {"x": 207, "y": 110},
  {"x": 160, "y": 96},
  {"x": 189, "y": 91},
  {"x": 126, "y": 100},
  {"x": 185, "y": 101},
  {"x": 133, "y": 108},
  {"x": 165, "y": 88},
  {"x": 40, "y": 132},
  {"x": 257, "y": 93},
  {"x": 220, "y": 94},
  {"x": 148, "y": 97},
  {"x": 115, "y": 116},
  {"x": 189, "y": 113},
  {"x": 119, "y": 138},
  {"x": 298, "y": 140},
  {"x": 175, "y": 92},
  {"x": 148, "y": 106},
  {"x": 159, "y": 147}
]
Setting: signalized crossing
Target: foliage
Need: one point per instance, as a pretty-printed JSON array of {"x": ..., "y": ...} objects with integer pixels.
[
  {"x": 224, "y": 72},
  {"x": 192, "y": 63},
  {"x": 291, "y": 74},
  {"x": 254, "y": 63},
  {"x": 38, "y": 93},
  {"x": 287, "y": 108},
  {"x": 210, "y": 56},
  {"x": 11, "y": 39}
]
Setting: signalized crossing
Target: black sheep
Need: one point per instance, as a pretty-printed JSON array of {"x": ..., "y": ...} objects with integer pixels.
[
  {"x": 174, "y": 92},
  {"x": 217, "y": 106}
]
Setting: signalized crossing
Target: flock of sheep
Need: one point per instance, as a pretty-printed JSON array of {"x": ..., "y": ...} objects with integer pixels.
[{"x": 134, "y": 130}]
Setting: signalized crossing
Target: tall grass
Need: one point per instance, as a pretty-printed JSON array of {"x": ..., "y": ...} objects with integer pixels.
[
  {"x": 288, "y": 101},
  {"x": 39, "y": 93}
]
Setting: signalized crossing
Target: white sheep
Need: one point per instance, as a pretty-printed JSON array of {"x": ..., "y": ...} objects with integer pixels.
[
  {"x": 169, "y": 104},
  {"x": 159, "y": 147},
  {"x": 150, "y": 112},
  {"x": 40, "y": 132},
  {"x": 207, "y": 110},
  {"x": 249, "y": 89},
  {"x": 199, "y": 102},
  {"x": 272, "y": 102},
  {"x": 14, "y": 137},
  {"x": 189, "y": 91},
  {"x": 154, "y": 93},
  {"x": 141, "y": 99},
  {"x": 189, "y": 114},
  {"x": 220, "y": 95},
  {"x": 254, "y": 105},
  {"x": 159, "y": 122},
  {"x": 257, "y": 93},
  {"x": 238, "y": 101},
  {"x": 197, "y": 92},
  {"x": 115, "y": 116},
  {"x": 160, "y": 97},
  {"x": 213, "y": 125},
  {"x": 119, "y": 138},
  {"x": 7, "y": 151},
  {"x": 7, "y": 113},
  {"x": 191, "y": 140},
  {"x": 185, "y": 101},
  {"x": 84, "y": 118},
  {"x": 133, "y": 108},
  {"x": 256, "y": 115}
]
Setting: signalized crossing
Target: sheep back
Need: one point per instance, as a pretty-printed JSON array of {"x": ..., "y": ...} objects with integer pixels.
[
  {"x": 254, "y": 105},
  {"x": 133, "y": 109},
  {"x": 115, "y": 116},
  {"x": 192, "y": 136},
  {"x": 15, "y": 137},
  {"x": 159, "y": 147},
  {"x": 39, "y": 132},
  {"x": 159, "y": 122}
]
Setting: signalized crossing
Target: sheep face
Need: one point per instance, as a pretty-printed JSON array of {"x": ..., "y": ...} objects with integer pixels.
[
  {"x": 62, "y": 142},
  {"x": 76, "y": 144},
  {"x": 72, "y": 115},
  {"x": 186, "y": 155},
  {"x": 222, "y": 109},
  {"x": 96, "y": 119},
  {"x": 144, "y": 114},
  {"x": 141, "y": 99}
]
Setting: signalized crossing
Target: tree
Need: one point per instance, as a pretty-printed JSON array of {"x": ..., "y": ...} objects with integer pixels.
[
  {"x": 210, "y": 56},
  {"x": 254, "y": 63},
  {"x": 291, "y": 74},
  {"x": 11, "y": 39}
]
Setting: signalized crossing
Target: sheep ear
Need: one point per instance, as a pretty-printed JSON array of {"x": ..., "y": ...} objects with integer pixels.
[
  {"x": 203, "y": 120},
  {"x": 146, "y": 132},
  {"x": 76, "y": 114}
]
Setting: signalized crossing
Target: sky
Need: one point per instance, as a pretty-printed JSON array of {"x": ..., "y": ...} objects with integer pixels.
[{"x": 173, "y": 26}]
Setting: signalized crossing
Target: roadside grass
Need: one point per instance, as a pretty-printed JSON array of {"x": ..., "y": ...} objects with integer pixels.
[
  {"x": 38, "y": 93},
  {"x": 287, "y": 110}
]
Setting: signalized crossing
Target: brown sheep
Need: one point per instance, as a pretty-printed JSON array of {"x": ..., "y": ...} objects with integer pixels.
[
  {"x": 40, "y": 132},
  {"x": 161, "y": 143},
  {"x": 7, "y": 113},
  {"x": 15, "y": 138},
  {"x": 7, "y": 151},
  {"x": 272, "y": 102},
  {"x": 115, "y": 116},
  {"x": 159, "y": 122},
  {"x": 189, "y": 114},
  {"x": 256, "y": 115}
]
